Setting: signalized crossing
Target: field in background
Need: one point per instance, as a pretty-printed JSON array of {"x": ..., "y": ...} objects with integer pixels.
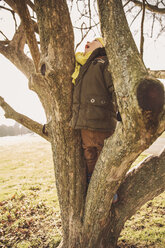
[
  {"x": 26, "y": 165},
  {"x": 29, "y": 211}
]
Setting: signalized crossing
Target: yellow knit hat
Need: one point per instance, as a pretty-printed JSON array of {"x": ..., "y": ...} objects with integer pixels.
[{"x": 100, "y": 40}]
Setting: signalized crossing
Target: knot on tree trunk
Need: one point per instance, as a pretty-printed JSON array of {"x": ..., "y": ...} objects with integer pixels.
[
  {"x": 43, "y": 69},
  {"x": 150, "y": 96}
]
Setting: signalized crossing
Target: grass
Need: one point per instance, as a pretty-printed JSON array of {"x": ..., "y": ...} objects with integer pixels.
[
  {"x": 29, "y": 210},
  {"x": 27, "y": 165},
  {"x": 147, "y": 227}
]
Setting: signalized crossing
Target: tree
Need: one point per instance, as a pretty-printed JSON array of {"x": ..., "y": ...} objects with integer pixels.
[
  {"x": 16, "y": 129},
  {"x": 89, "y": 219}
]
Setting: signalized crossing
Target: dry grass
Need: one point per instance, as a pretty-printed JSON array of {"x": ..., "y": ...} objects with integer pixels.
[{"x": 29, "y": 210}]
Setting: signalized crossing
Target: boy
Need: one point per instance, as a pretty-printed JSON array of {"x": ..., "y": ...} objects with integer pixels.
[{"x": 94, "y": 109}]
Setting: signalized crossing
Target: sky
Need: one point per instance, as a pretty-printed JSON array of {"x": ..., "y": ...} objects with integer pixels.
[
  {"x": 14, "y": 85},
  {"x": 14, "y": 90}
]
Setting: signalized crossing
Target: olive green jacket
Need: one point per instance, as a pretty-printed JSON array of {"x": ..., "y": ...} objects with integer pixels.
[{"x": 93, "y": 96}]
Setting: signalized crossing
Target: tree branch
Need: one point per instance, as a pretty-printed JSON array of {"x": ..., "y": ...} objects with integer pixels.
[
  {"x": 19, "y": 39},
  {"x": 12, "y": 4},
  {"x": 6, "y": 39},
  {"x": 153, "y": 8},
  {"x": 29, "y": 30},
  {"x": 4, "y": 42},
  {"x": 142, "y": 29},
  {"x": 18, "y": 58},
  {"x": 134, "y": 192},
  {"x": 32, "y": 6},
  {"x": 24, "y": 120},
  {"x": 109, "y": 170},
  {"x": 10, "y": 10},
  {"x": 15, "y": 52},
  {"x": 135, "y": 17},
  {"x": 126, "y": 3},
  {"x": 13, "y": 14},
  {"x": 158, "y": 73},
  {"x": 138, "y": 188}
]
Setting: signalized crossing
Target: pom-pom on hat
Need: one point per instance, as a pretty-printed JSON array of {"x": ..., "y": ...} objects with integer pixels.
[{"x": 101, "y": 41}]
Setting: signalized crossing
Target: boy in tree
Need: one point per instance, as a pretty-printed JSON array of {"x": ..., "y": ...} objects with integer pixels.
[{"x": 94, "y": 108}]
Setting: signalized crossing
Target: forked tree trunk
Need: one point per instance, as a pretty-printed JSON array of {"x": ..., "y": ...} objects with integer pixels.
[{"x": 89, "y": 219}]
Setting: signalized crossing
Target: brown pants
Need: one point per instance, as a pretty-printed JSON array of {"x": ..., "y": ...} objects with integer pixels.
[{"x": 92, "y": 143}]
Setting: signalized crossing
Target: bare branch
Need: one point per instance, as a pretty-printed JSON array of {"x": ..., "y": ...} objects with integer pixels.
[
  {"x": 158, "y": 73},
  {"x": 130, "y": 9},
  {"x": 19, "y": 39},
  {"x": 14, "y": 51},
  {"x": 153, "y": 8},
  {"x": 142, "y": 29},
  {"x": 90, "y": 17},
  {"x": 153, "y": 22},
  {"x": 4, "y": 42},
  {"x": 135, "y": 17},
  {"x": 18, "y": 58},
  {"x": 13, "y": 14},
  {"x": 30, "y": 35},
  {"x": 2, "y": 7},
  {"x": 32, "y": 6},
  {"x": 162, "y": 27},
  {"x": 12, "y": 4},
  {"x": 4, "y": 36},
  {"x": 126, "y": 3},
  {"x": 138, "y": 188},
  {"x": 86, "y": 20},
  {"x": 82, "y": 38},
  {"x": 24, "y": 120},
  {"x": 85, "y": 28}
]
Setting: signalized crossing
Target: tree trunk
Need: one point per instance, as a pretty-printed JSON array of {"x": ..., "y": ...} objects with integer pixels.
[
  {"x": 89, "y": 218},
  {"x": 56, "y": 67},
  {"x": 70, "y": 183}
]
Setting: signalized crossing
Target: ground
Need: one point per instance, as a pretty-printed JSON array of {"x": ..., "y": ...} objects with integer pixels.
[{"x": 29, "y": 210}]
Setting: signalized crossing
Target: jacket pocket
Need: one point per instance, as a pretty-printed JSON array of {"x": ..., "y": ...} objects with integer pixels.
[
  {"x": 101, "y": 101},
  {"x": 98, "y": 108}
]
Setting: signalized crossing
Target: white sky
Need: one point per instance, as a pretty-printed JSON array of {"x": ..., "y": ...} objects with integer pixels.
[
  {"x": 14, "y": 89},
  {"x": 14, "y": 85}
]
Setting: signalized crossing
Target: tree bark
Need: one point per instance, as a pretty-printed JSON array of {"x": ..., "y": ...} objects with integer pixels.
[
  {"x": 158, "y": 74},
  {"x": 56, "y": 66},
  {"x": 133, "y": 197},
  {"x": 134, "y": 134},
  {"x": 141, "y": 184},
  {"x": 29, "y": 29},
  {"x": 14, "y": 52},
  {"x": 22, "y": 119}
]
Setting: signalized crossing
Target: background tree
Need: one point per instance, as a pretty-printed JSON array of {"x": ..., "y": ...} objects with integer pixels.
[
  {"x": 14, "y": 130},
  {"x": 89, "y": 219}
]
